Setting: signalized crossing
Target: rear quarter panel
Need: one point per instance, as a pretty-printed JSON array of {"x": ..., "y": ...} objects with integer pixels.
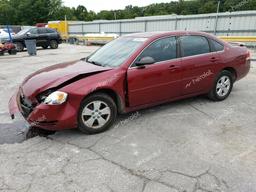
[{"x": 237, "y": 57}]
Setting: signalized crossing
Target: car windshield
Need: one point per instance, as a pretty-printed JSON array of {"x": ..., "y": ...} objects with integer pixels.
[
  {"x": 22, "y": 32},
  {"x": 116, "y": 52}
]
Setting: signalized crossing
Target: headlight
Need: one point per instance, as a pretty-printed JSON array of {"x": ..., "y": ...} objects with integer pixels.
[{"x": 56, "y": 98}]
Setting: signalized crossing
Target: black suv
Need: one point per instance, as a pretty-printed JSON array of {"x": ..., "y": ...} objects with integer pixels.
[{"x": 44, "y": 37}]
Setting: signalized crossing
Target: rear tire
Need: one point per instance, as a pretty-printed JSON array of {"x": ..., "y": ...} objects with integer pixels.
[
  {"x": 45, "y": 46},
  {"x": 19, "y": 46},
  {"x": 222, "y": 87},
  {"x": 12, "y": 52},
  {"x": 97, "y": 113},
  {"x": 54, "y": 44}
]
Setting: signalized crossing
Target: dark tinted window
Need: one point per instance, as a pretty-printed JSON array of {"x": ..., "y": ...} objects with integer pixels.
[
  {"x": 194, "y": 45},
  {"x": 33, "y": 31},
  {"x": 42, "y": 30},
  {"x": 161, "y": 50},
  {"x": 216, "y": 46},
  {"x": 51, "y": 31}
]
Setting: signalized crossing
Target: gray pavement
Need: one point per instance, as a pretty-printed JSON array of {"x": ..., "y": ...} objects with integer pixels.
[
  {"x": 193, "y": 145},
  {"x": 13, "y": 71}
]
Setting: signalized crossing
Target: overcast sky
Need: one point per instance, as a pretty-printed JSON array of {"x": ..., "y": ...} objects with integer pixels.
[{"x": 98, "y": 5}]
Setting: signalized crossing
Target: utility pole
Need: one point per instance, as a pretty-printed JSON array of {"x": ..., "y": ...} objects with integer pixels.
[
  {"x": 216, "y": 19},
  {"x": 9, "y": 32},
  {"x": 115, "y": 15},
  {"x": 8, "y": 27},
  {"x": 66, "y": 27}
]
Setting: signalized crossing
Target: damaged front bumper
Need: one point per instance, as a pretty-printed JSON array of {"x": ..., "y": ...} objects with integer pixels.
[
  {"x": 49, "y": 117},
  {"x": 13, "y": 106}
]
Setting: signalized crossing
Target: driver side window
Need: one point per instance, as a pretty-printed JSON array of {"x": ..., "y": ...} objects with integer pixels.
[
  {"x": 161, "y": 50},
  {"x": 33, "y": 31}
]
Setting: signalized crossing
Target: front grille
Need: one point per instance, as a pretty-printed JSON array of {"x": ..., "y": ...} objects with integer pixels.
[{"x": 25, "y": 104}]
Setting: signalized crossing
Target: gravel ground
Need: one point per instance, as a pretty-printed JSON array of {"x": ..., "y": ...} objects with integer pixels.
[{"x": 193, "y": 145}]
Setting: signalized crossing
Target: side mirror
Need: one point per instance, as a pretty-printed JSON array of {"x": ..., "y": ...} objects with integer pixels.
[
  {"x": 28, "y": 33},
  {"x": 145, "y": 61}
]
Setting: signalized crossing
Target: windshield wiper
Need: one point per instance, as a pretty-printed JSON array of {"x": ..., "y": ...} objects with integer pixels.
[
  {"x": 94, "y": 62},
  {"x": 86, "y": 59}
]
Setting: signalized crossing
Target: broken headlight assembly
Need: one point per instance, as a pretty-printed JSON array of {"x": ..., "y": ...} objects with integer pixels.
[
  {"x": 56, "y": 98},
  {"x": 53, "y": 97}
]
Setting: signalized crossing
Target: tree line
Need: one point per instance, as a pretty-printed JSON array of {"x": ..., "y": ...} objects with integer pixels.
[{"x": 30, "y": 12}]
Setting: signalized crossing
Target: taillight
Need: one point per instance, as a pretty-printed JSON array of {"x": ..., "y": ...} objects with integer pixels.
[{"x": 248, "y": 55}]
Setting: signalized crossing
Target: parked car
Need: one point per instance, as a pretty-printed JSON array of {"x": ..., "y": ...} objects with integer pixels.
[
  {"x": 4, "y": 35},
  {"x": 10, "y": 29},
  {"x": 130, "y": 73},
  {"x": 44, "y": 37}
]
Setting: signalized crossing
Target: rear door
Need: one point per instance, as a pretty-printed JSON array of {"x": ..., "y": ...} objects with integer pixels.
[
  {"x": 197, "y": 63},
  {"x": 42, "y": 38},
  {"x": 159, "y": 81},
  {"x": 52, "y": 34}
]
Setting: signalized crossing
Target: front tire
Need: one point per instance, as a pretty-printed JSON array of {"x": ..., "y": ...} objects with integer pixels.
[
  {"x": 12, "y": 52},
  {"x": 97, "y": 113},
  {"x": 54, "y": 44},
  {"x": 19, "y": 46},
  {"x": 222, "y": 87}
]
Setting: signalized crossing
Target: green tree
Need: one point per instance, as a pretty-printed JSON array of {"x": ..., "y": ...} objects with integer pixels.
[
  {"x": 55, "y": 7},
  {"x": 6, "y": 12},
  {"x": 208, "y": 7},
  {"x": 30, "y": 12},
  {"x": 81, "y": 13}
]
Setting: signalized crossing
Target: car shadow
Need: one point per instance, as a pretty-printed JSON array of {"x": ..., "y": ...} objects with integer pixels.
[
  {"x": 123, "y": 119},
  {"x": 19, "y": 131}
]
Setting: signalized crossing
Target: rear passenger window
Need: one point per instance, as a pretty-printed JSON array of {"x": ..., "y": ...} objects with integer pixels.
[
  {"x": 194, "y": 45},
  {"x": 216, "y": 46},
  {"x": 42, "y": 30},
  {"x": 161, "y": 50},
  {"x": 50, "y": 30}
]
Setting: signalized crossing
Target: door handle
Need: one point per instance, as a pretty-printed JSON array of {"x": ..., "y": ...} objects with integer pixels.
[
  {"x": 213, "y": 59},
  {"x": 173, "y": 67}
]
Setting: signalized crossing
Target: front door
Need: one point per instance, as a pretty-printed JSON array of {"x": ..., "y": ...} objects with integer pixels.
[
  {"x": 42, "y": 37},
  {"x": 32, "y": 34},
  {"x": 159, "y": 81}
]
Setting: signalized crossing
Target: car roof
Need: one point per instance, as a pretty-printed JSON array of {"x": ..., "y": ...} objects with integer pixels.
[{"x": 158, "y": 34}]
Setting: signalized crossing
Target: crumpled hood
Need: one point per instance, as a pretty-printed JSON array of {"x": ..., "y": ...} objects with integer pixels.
[{"x": 55, "y": 75}]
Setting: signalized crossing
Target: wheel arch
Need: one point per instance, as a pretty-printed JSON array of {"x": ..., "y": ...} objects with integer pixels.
[
  {"x": 231, "y": 70},
  {"x": 115, "y": 96},
  {"x": 20, "y": 41}
]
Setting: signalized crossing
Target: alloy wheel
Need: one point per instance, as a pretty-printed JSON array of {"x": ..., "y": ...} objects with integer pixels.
[
  {"x": 19, "y": 47},
  {"x": 223, "y": 86},
  {"x": 96, "y": 114},
  {"x": 54, "y": 44}
]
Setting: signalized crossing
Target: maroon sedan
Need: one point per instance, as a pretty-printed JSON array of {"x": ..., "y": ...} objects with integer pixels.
[{"x": 130, "y": 73}]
